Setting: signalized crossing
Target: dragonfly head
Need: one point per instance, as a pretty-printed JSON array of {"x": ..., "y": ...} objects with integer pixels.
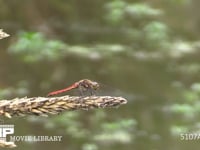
[
  {"x": 89, "y": 84},
  {"x": 95, "y": 85}
]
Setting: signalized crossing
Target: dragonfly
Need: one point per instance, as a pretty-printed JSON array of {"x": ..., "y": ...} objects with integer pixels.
[{"x": 83, "y": 86}]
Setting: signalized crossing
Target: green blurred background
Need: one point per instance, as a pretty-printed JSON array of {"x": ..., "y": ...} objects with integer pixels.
[{"x": 146, "y": 51}]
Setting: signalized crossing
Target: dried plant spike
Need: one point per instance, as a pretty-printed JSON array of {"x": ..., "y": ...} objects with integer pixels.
[
  {"x": 7, "y": 144},
  {"x": 3, "y": 34},
  {"x": 43, "y": 106}
]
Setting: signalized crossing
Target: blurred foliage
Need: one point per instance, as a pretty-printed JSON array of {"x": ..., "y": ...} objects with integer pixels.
[
  {"x": 119, "y": 131},
  {"x": 149, "y": 36},
  {"x": 187, "y": 110},
  {"x": 177, "y": 130},
  {"x": 21, "y": 89},
  {"x": 34, "y": 47},
  {"x": 156, "y": 35},
  {"x": 88, "y": 146},
  {"x": 98, "y": 129},
  {"x": 120, "y": 12},
  {"x": 182, "y": 2},
  {"x": 140, "y": 23}
]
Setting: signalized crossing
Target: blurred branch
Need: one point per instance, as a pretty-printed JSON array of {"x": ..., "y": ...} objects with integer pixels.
[
  {"x": 43, "y": 106},
  {"x": 3, "y": 34}
]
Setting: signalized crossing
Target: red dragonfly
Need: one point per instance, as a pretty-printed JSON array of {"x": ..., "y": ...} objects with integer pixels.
[{"x": 82, "y": 85}]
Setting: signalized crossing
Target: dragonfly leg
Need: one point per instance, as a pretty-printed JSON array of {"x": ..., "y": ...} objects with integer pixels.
[
  {"x": 92, "y": 92},
  {"x": 81, "y": 91},
  {"x": 86, "y": 91}
]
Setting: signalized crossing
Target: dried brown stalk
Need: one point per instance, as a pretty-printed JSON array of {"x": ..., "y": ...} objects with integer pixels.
[
  {"x": 3, "y": 34},
  {"x": 7, "y": 144},
  {"x": 43, "y": 106}
]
